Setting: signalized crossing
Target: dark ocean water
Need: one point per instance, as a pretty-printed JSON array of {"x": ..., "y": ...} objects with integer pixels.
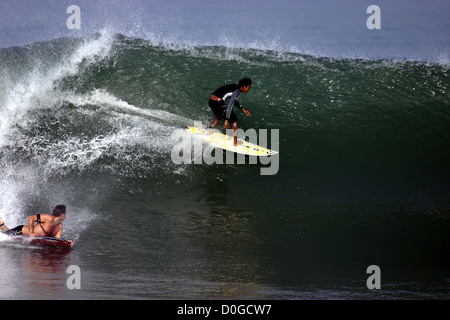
[{"x": 363, "y": 175}]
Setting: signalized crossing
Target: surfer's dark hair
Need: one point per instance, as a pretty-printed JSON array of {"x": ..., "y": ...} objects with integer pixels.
[
  {"x": 244, "y": 82},
  {"x": 59, "y": 210}
]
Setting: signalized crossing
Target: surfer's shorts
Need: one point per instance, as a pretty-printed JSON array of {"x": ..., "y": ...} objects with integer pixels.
[
  {"x": 15, "y": 232},
  {"x": 218, "y": 109}
]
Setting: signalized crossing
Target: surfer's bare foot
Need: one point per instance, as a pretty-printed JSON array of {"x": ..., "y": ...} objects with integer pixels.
[
  {"x": 2, "y": 226},
  {"x": 209, "y": 131},
  {"x": 237, "y": 142}
]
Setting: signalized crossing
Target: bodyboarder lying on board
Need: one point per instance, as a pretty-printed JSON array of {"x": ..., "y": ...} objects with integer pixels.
[
  {"x": 44, "y": 225},
  {"x": 222, "y": 110}
]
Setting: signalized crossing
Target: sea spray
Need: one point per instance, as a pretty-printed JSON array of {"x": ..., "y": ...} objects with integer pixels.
[
  {"x": 29, "y": 93},
  {"x": 23, "y": 180}
]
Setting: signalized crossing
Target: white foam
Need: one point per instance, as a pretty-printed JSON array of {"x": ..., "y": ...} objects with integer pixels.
[
  {"x": 13, "y": 183},
  {"x": 126, "y": 126},
  {"x": 30, "y": 92},
  {"x": 19, "y": 100}
]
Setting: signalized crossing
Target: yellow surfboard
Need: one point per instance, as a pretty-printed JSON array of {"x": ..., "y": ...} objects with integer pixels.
[{"x": 225, "y": 142}]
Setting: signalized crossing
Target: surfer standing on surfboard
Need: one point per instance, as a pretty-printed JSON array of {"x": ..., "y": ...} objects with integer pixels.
[
  {"x": 225, "y": 111},
  {"x": 47, "y": 225}
]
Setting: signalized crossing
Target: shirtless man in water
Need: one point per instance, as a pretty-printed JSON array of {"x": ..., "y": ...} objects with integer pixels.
[{"x": 47, "y": 225}]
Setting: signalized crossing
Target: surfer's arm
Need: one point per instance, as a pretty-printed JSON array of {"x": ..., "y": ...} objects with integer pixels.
[
  {"x": 31, "y": 220},
  {"x": 230, "y": 104},
  {"x": 246, "y": 112},
  {"x": 58, "y": 234},
  {"x": 237, "y": 104}
]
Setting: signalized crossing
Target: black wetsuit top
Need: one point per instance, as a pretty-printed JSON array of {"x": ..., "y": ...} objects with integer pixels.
[{"x": 231, "y": 91}]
